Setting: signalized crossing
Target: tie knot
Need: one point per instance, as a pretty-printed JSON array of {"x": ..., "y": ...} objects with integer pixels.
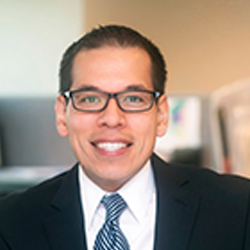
[{"x": 114, "y": 205}]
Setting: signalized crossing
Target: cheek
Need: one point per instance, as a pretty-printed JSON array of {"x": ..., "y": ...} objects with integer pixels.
[
  {"x": 79, "y": 125},
  {"x": 79, "y": 130},
  {"x": 145, "y": 128}
]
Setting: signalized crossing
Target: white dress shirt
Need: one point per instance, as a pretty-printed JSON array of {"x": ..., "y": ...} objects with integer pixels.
[{"x": 137, "y": 222}]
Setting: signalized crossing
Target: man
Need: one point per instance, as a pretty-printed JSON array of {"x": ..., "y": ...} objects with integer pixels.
[{"x": 112, "y": 106}]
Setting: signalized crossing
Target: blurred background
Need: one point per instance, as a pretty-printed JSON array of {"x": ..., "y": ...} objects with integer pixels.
[{"x": 206, "y": 47}]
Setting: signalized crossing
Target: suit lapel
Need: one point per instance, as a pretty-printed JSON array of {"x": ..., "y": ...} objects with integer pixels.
[
  {"x": 177, "y": 207},
  {"x": 64, "y": 226}
]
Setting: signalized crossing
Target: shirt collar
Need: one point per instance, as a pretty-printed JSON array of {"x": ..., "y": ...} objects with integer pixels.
[
  {"x": 138, "y": 193},
  {"x": 91, "y": 195}
]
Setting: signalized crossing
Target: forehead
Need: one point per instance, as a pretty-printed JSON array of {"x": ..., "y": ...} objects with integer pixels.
[
  {"x": 111, "y": 53},
  {"x": 108, "y": 65}
]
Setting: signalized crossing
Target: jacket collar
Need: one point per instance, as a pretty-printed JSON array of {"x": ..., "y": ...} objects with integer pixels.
[
  {"x": 64, "y": 226},
  {"x": 177, "y": 207}
]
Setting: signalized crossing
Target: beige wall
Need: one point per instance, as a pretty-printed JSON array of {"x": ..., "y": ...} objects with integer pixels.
[{"x": 206, "y": 42}]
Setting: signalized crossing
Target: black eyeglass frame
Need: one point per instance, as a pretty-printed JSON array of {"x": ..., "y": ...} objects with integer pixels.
[{"x": 70, "y": 94}]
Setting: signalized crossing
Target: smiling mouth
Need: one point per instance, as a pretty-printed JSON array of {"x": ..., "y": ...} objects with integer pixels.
[{"x": 111, "y": 146}]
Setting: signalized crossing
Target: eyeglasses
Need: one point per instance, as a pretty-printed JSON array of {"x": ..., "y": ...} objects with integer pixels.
[{"x": 96, "y": 101}]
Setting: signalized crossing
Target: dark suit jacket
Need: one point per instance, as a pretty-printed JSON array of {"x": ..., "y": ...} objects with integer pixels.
[{"x": 196, "y": 210}]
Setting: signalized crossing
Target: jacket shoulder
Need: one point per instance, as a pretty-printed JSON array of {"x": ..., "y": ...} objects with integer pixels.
[
  {"x": 201, "y": 179},
  {"x": 33, "y": 199}
]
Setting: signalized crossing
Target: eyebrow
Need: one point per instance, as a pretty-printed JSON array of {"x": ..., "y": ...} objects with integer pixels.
[
  {"x": 136, "y": 87},
  {"x": 130, "y": 87},
  {"x": 87, "y": 87}
]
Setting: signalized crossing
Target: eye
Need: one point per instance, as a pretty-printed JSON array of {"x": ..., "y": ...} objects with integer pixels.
[
  {"x": 133, "y": 98},
  {"x": 90, "y": 99}
]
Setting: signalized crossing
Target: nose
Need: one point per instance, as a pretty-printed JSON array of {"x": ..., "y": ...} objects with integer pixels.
[{"x": 112, "y": 115}]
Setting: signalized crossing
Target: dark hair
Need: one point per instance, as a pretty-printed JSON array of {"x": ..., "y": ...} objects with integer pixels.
[{"x": 116, "y": 36}]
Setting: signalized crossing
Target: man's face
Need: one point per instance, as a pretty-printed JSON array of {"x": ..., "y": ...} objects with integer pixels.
[{"x": 112, "y": 145}]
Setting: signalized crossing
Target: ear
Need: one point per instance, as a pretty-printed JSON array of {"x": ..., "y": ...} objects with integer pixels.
[
  {"x": 163, "y": 115},
  {"x": 61, "y": 116}
]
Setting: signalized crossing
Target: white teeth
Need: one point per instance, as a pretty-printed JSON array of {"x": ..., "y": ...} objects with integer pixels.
[{"x": 111, "y": 146}]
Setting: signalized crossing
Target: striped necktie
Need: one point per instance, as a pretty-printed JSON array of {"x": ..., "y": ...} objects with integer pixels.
[{"x": 110, "y": 236}]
